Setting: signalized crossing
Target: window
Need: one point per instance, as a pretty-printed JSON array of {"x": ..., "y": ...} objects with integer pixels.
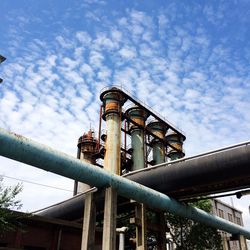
[
  {"x": 238, "y": 220},
  {"x": 230, "y": 217},
  {"x": 221, "y": 213}
]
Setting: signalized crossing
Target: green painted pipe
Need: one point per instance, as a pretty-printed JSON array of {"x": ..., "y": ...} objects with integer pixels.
[
  {"x": 138, "y": 155},
  {"x": 24, "y": 150},
  {"x": 159, "y": 129},
  {"x": 139, "y": 116}
]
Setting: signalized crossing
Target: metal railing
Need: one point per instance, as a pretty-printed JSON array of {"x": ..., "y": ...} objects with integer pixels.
[{"x": 120, "y": 87}]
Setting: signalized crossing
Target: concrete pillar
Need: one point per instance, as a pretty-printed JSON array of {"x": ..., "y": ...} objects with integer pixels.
[
  {"x": 177, "y": 141},
  {"x": 139, "y": 116},
  {"x": 159, "y": 129},
  {"x": 225, "y": 243},
  {"x": 89, "y": 221},
  {"x": 112, "y": 103},
  {"x": 141, "y": 229},
  {"x": 109, "y": 224},
  {"x": 242, "y": 242}
]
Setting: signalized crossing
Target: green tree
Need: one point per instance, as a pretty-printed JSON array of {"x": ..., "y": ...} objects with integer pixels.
[
  {"x": 190, "y": 235},
  {"x": 8, "y": 203}
]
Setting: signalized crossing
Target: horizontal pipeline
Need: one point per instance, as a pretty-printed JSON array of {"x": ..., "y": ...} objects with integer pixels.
[
  {"x": 220, "y": 170},
  {"x": 24, "y": 150}
]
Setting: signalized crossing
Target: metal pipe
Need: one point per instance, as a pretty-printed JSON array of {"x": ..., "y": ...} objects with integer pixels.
[
  {"x": 158, "y": 146},
  {"x": 76, "y": 182},
  {"x": 125, "y": 138},
  {"x": 121, "y": 241},
  {"x": 139, "y": 160},
  {"x": 175, "y": 141},
  {"x": 173, "y": 178},
  {"x": 206, "y": 153},
  {"x": 137, "y": 137},
  {"x": 159, "y": 129},
  {"x": 87, "y": 144},
  {"x": 150, "y": 133},
  {"x": 214, "y": 172},
  {"x": 70, "y": 209},
  {"x": 112, "y": 102},
  {"x": 100, "y": 127},
  {"x": 24, "y": 150},
  {"x": 122, "y": 232}
]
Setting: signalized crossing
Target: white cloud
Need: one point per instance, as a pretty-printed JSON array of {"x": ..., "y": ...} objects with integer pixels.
[
  {"x": 96, "y": 59},
  {"x": 83, "y": 38},
  {"x": 51, "y": 92},
  {"x": 128, "y": 52},
  {"x": 104, "y": 42},
  {"x": 116, "y": 35},
  {"x": 191, "y": 94},
  {"x": 67, "y": 44}
]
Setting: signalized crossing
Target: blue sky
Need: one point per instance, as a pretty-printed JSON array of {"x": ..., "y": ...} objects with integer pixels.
[{"x": 188, "y": 60}]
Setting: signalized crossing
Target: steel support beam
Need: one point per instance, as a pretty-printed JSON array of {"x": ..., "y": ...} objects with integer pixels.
[{"x": 24, "y": 150}]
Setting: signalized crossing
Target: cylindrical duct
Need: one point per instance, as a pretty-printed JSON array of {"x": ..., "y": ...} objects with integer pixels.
[
  {"x": 87, "y": 147},
  {"x": 159, "y": 129},
  {"x": 112, "y": 103},
  {"x": 176, "y": 141},
  {"x": 139, "y": 116}
]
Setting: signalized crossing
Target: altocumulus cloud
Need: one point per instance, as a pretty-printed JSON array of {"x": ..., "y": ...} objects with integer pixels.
[{"x": 172, "y": 58}]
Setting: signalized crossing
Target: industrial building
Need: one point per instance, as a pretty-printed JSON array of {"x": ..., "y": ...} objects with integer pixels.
[
  {"x": 231, "y": 214},
  {"x": 66, "y": 233},
  {"x": 135, "y": 142}
]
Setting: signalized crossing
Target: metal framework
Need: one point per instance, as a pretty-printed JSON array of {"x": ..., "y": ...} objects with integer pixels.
[{"x": 24, "y": 150}]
